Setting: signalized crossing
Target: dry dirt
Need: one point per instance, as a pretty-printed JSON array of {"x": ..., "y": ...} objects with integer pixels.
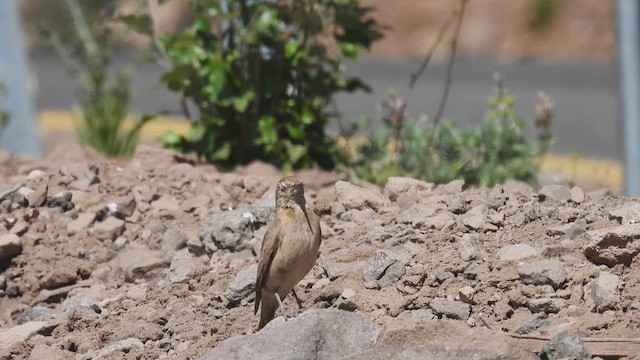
[{"x": 152, "y": 257}]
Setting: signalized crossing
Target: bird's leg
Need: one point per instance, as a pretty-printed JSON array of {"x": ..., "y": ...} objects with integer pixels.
[
  {"x": 295, "y": 296},
  {"x": 284, "y": 314}
]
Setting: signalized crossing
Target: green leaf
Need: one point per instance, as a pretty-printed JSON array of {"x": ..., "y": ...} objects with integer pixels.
[
  {"x": 223, "y": 152},
  {"x": 216, "y": 77},
  {"x": 242, "y": 102},
  {"x": 348, "y": 49},
  {"x": 171, "y": 139},
  {"x": 267, "y": 129},
  {"x": 296, "y": 132},
  {"x": 295, "y": 152}
]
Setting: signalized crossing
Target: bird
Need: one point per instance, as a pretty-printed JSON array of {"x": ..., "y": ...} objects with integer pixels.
[{"x": 290, "y": 248}]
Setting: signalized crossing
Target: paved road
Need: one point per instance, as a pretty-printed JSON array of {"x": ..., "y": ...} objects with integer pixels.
[{"x": 586, "y": 94}]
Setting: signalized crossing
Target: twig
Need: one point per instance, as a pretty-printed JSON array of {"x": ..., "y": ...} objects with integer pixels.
[
  {"x": 423, "y": 66},
  {"x": 454, "y": 45}
]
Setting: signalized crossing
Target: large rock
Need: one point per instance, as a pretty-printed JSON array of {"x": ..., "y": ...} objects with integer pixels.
[
  {"x": 442, "y": 340},
  {"x": 559, "y": 193},
  {"x": 185, "y": 267},
  {"x": 377, "y": 265},
  {"x": 543, "y": 272},
  {"x": 516, "y": 252},
  {"x": 564, "y": 347},
  {"x": 627, "y": 214},
  {"x": 401, "y": 188},
  {"x": 451, "y": 309},
  {"x": 19, "y": 333},
  {"x": 109, "y": 229},
  {"x": 242, "y": 285},
  {"x": 612, "y": 246},
  {"x": 315, "y": 334},
  {"x": 10, "y": 246},
  {"x": 602, "y": 293},
  {"x": 355, "y": 197},
  {"x": 233, "y": 229}
]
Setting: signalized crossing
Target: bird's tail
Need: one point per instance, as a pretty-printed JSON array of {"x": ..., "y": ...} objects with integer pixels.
[{"x": 268, "y": 309}]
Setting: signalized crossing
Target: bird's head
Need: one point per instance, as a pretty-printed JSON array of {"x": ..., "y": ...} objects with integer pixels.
[{"x": 289, "y": 192}]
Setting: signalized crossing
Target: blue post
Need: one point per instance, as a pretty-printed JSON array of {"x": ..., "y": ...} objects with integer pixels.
[
  {"x": 629, "y": 57},
  {"x": 21, "y": 136}
]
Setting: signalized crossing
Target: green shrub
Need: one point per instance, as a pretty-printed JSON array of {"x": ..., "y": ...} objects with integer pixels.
[
  {"x": 104, "y": 96},
  {"x": 484, "y": 155},
  {"x": 261, "y": 74}
]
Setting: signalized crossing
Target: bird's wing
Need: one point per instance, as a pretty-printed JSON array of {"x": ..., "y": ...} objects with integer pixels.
[{"x": 270, "y": 244}]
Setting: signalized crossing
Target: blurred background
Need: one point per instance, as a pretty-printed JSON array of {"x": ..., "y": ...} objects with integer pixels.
[{"x": 562, "y": 50}]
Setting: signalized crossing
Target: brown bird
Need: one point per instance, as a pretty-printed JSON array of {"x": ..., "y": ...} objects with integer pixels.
[{"x": 289, "y": 248}]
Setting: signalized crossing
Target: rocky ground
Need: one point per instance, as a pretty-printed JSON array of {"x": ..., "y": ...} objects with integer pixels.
[{"x": 154, "y": 258}]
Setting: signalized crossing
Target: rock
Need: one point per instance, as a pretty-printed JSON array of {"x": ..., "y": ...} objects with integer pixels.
[
  {"x": 577, "y": 228},
  {"x": 43, "y": 351},
  {"x": 20, "y": 333},
  {"x": 85, "y": 181},
  {"x": 315, "y": 334},
  {"x": 454, "y": 187},
  {"x": 476, "y": 217},
  {"x": 559, "y": 229},
  {"x": 422, "y": 315},
  {"x": 64, "y": 202},
  {"x": 627, "y": 214},
  {"x": 20, "y": 228},
  {"x": 233, "y": 229},
  {"x": 469, "y": 247},
  {"x": 451, "y": 309},
  {"x": 444, "y": 275},
  {"x": 556, "y": 192},
  {"x": 173, "y": 239},
  {"x": 125, "y": 345},
  {"x": 243, "y": 285},
  {"x": 392, "y": 274},
  {"x": 122, "y": 207},
  {"x": 185, "y": 267},
  {"x": 564, "y": 347},
  {"x": 545, "y": 305},
  {"x": 166, "y": 202},
  {"x": 577, "y": 195},
  {"x": 602, "y": 293},
  {"x": 136, "y": 262},
  {"x": 466, "y": 294},
  {"x": 58, "y": 277},
  {"x": 35, "y": 174},
  {"x": 138, "y": 292},
  {"x": 81, "y": 305},
  {"x": 516, "y": 252},
  {"x": 441, "y": 220},
  {"x": 38, "y": 197},
  {"x": 39, "y": 313},
  {"x": 398, "y": 187},
  {"x": 377, "y": 265},
  {"x": 355, "y": 197},
  {"x": 194, "y": 244},
  {"x": 109, "y": 229},
  {"x": 196, "y": 202},
  {"x": 534, "y": 323},
  {"x": 10, "y": 246},
  {"x": 443, "y": 339},
  {"x": 543, "y": 272},
  {"x": 613, "y": 245},
  {"x": 83, "y": 221}
]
